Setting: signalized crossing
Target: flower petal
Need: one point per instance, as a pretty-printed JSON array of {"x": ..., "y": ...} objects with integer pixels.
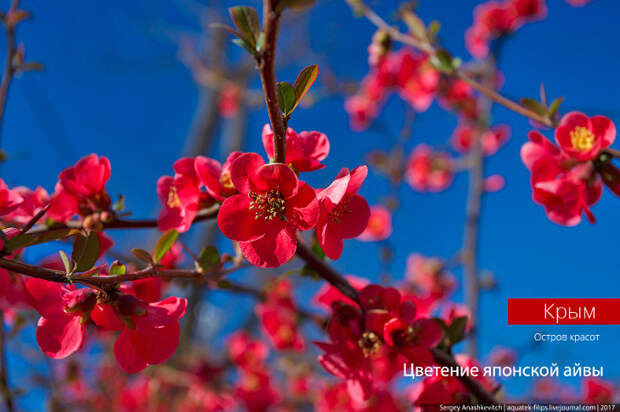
[
  {"x": 156, "y": 345},
  {"x": 275, "y": 176},
  {"x": 358, "y": 175},
  {"x": 45, "y": 296},
  {"x": 330, "y": 239},
  {"x": 243, "y": 169},
  {"x": 302, "y": 210},
  {"x": 209, "y": 171},
  {"x": 126, "y": 354},
  {"x": 103, "y": 315},
  {"x": 163, "y": 313},
  {"x": 354, "y": 223},
  {"x": 238, "y": 222},
  {"x": 272, "y": 250},
  {"x": 602, "y": 126},
  {"x": 60, "y": 336}
]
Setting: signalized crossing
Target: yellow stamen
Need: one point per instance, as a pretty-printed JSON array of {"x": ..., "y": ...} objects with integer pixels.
[
  {"x": 581, "y": 138},
  {"x": 173, "y": 198}
]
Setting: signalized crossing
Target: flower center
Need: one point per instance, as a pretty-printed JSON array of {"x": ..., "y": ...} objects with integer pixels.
[
  {"x": 173, "y": 198},
  {"x": 341, "y": 209},
  {"x": 370, "y": 343},
  {"x": 581, "y": 138},
  {"x": 227, "y": 184},
  {"x": 268, "y": 205}
]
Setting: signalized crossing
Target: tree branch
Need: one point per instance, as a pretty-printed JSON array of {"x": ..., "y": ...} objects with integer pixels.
[
  {"x": 426, "y": 47},
  {"x": 266, "y": 67},
  {"x": 9, "y": 69}
]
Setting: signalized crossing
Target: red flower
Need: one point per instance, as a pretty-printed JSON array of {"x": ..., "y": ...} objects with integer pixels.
[
  {"x": 329, "y": 294},
  {"x": 563, "y": 187},
  {"x": 256, "y": 391},
  {"x": 429, "y": 171},
  {"x": 362, "y": 110},
  {"x": 429, "y": 277},
  {"x": 149, "y": 331},
  {"x": 452, "y": 311},
  {"x": 9, "y": 199},
  {"x": 33, "y": 202},
  {"x": 278, "y": 317},
  {"x": 246, "y": 352},
  {"x": 272, "y": 205},
  {"x": 216, "y": 177},
  {"x": 228, "y": 102},
  {"x": 598, "y": 391},
  {"x": 344, "y": 213},
  {"x": 304, "y": 151},
  {"x": 379, "y": 225},
  {"x": 181, "y": 196},
  {"x": 64, "y": 311},
  {"x": 464, "y": 135},
  {"x": 582, "y": 138},
  {"x": 81, "y": 189}
]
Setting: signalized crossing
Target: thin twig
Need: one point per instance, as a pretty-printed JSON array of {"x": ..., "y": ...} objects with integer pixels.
[{"x": 9, "y": 69}]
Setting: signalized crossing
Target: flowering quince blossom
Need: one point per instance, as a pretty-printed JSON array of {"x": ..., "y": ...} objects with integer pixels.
[
  {"x": 278, "y": 317},
  {"x": 405, "y": 71},
  {"x": 32, "y": 203},
  {"x": 344, "y": 213},
  {"x": 429, "y": 171},
  {"x": 428, "y": 282},
  {"x": 328, "y": 294},
  {"x": 228, "y": 100},
  {"x": 597, "y": 391},
  {"x": 181, "y": 196},
  {"x": 493, "y": 19},
  {"x": 565, "y": 181},
  {"x": 81, "y": 189},
  {"x": 582, "y": 138},
  {"x": 388, "y": 328},
  {"x": 64, "y": 311},
  {"x": 149, "y": 331},
  {"x": 457, "y": 95},
  {"x": 379, "y": 225},
  {"x": 494, "y": 183},
  {"x": 337, "y": 398},
  {"x": 464, "y": 135},
  {"x": 216, "y": 177},
  {"x": 271, "y": 206},
  {"x": 304, "y": 151},
  {"x": 9, "y": 199}
]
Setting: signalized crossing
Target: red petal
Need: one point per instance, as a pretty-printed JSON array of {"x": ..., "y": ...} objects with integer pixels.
[
  {"x": 314, "y": 145},
  {"x": 354, "y": 223},
  {"x": 272, "y": 250},
  {"x": 330, "y": 239},
  {"x": 605, "y": 128},
  {"x": 267, "y": 137},
  {"x": 60, "y": 336},
  {"x": 243, "y": 169},
  {"x": 429, "y": 334},
  {"x": 126, "y": 355},
  {"x": 275, "y": 176},
  {"x": 104, "y": 316},
  {"x": 156, "y": 345},
  {"x": 336, "y": 190},
  {"x": 209, "y": 171},
  {"x": 163, "y": 313},
  {"x": 45, "y": 296},
  {"x": 358, "y": 175},
  {"x": 238, "y": 222},
  {"x": 302, "y": 210}
]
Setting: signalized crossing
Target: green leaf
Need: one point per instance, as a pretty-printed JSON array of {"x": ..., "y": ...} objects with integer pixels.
[
  {"x": 295, "y": 4},
  {"x": 30, "y": 239},
  {"x": 246, "y": 20},
  {"x": 304, "y": 81},
  {"x": 243, "y": 43},
  {"x": 209, "y": 258},
  {"x": 85, "y": 251},
  {"x": 555, "y": 105},
  {"x": 164, "y": 244},
  {"x": 286, "y": 97},
  {"x": 65, "y": 261},
  {"x": 456, "y": 330},
  {"x": 442, "y": 60},
  {"x": 433, "y": 29},
  {"x": 119, "y": 205},
  {"x": 117, "y": 268},
  {"x": 142, "y": 254},
  {"x": 534, "y": 105},
  {"x": 415, "y": 24}
]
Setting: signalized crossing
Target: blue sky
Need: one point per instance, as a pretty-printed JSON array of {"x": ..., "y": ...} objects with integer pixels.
[{"x": 113, "y": 85}]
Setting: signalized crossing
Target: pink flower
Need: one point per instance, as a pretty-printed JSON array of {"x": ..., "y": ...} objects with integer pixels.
[
  {"x": 272, "y": 205},
  {"x": 494, "y": 183},
  {"x": 246, "y": 352},
  {"x": 10, "y": 200},
  {"x": 304, "y": 151},
  {"x": 581, "y": 137},
  {"x": 216, "y": 177},
  {"x": 81, "y": 189},
  {"x": 464, "y": 135},
  {"x": 33, "y": 202},
  {"x": 379, "y": 225},
  {"x": 429, "y": 171},
  {"x": 344, "y": 213},
  {"x": 64, "y": 311},
  {"x": 180, "y": 196},
  {"x": 278, "y": 317},
  {"x": 228, "y": 103},
  {"x": 149, "y": 331}
]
